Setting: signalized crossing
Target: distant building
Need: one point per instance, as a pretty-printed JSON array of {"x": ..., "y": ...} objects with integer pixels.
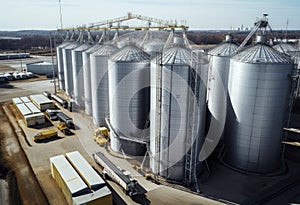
[
  {"x": 41, "y": 68},
  {"x": 8, "y": 56}
]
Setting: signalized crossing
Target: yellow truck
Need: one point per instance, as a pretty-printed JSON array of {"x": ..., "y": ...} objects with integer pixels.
[
  {"x": 64, "y": 128},
  {"x": 101, "y": 136},
  {"x": 45, "y": 134}
]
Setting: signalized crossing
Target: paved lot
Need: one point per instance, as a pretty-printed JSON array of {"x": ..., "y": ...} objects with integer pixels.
[{"x": 23, "y": 88}]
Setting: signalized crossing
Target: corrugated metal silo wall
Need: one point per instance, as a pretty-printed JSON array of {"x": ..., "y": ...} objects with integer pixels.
[
  {"x": 87, "y": 76},
  {"x": 174, "y": 117},
  {"x": 217, "y": 86},
  {"x": 60, "y": 65},
  {"x": 129, "y": 97},
  {"x": 178, "y": 121},
  {"x": 87, "y": 82},
  {"x": 78, "y": 80},
  {"x": 154, "y": 115},
  {"x": 257, "y": 109},
  {"x": 68, "y": 68},
  {"x": 100, "y": 91}
]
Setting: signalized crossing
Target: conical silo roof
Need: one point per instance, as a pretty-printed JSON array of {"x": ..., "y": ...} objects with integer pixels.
[
  {"x": 130, "y": 53},
  {"x": 83, "y": 47},
  {"x": 72, "y": 45},
  {"x": 285, "y": 48},
  {"x": 93, "y": 49},
  {"x": 262, "y": 53},
  {"x": 176, "y": 55},
  {"x": 105, "y": 50},
  {"x": 226, "y": 49}
]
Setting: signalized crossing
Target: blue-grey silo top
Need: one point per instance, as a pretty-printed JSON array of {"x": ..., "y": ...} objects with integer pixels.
[
  {"x": 262, "y": 53},
  {"x": 225, "y": 49},
  {"x": 130, "y": 53}
]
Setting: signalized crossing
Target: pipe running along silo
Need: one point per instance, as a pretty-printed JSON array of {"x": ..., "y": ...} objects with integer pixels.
[
  {"x": 219, "y": 62},
  {"x": 87, "y": 76},
  {"x": 129, "y": 99},
  {"x": 68, "y": 68},
  {"x": 177, "y": 112},
  {"x": 78, "y": 79},
  {"x": 259, "y": 86},
  {"x": 99, "y": 83}
]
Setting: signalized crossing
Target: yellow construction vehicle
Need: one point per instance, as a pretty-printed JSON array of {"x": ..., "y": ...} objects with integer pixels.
[
  {"x": 64, "y": 128},
  {"x": 45, "y": 134},
  {"x": 101, "y": 136}
]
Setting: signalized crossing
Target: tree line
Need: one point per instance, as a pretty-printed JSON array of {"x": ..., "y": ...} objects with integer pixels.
[{"x": 42, "y": 41}]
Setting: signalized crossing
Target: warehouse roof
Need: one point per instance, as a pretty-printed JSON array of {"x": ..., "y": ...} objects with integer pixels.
[
  {"x": 73, "y": 181},
  {"x": 17, "y": 100},
  {"x": 40, "y": 99},
  {"x": 32, "y": 107},
  {"x": 89, "y": 175},
  {"x": 23, "y": 109},
  {"x": 25, "y": 99}
]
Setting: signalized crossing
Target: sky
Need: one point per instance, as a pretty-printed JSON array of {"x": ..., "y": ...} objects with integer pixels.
[{"x": 198, "y": 14}]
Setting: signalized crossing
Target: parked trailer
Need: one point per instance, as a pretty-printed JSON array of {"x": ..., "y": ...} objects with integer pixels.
[
  {"x": 42, "y": 102},
  {"x": 60, "y": 100},
  {"x": 45, "y": 134},
  {"x": 125, "y": 181},
  {"x": 66, "y": 119},
  {"x": 85, "y": 170},
  {"x": 47, "y": 94}
]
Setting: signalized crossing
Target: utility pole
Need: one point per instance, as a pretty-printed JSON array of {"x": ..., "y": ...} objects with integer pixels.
[{"x": 60, "y": 15}]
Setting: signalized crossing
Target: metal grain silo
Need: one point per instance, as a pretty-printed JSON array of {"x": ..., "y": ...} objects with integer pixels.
[
  {"x": 78, "y": 80},
  {"x": 290, "y": 50},
  {"x": 258, "y": 89},
  {"x": 219, "y": 61},
  {"x": 68, "y": 68},
  {"x": 129, "y": 98},
  {"x": 60, "y": 64},
  {"x": 177, "y": 112},
  {"x": 154, "y": 46},
  {"x": 87, "y": 77},
  {"x": 99, "y": 83}
]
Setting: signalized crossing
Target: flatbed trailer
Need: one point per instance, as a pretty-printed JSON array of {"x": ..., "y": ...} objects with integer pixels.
[{"x": 128, "y": 184}]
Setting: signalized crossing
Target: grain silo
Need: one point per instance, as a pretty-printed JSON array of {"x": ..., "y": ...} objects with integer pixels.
[
  {"x": 99, "y": 83},
  {"x": 258, "y": 87},
  {"x": 290, "y": 50},
  {"x": 129, "y": 99},
  {"x": 177, "y": 112},
  {"x": 78, "y": 80},
  {"x": 87, "y": 77},
  {"x": 68, "y": 68},
  {"x": 60, "y": 64},
  {"x": 219, "y": 61}
]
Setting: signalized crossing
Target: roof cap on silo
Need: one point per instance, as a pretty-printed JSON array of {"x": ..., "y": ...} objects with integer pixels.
[
  {"x": 178, "y": 41},
  {"x": 261, "y": 39},
  {"x": 225, "y": 49},
  {"x": 105, "y": 50},
  {"x": 130, "y": 53},
  {"x": 262, "y": 53},
  {"x": 228, "y": 38}
]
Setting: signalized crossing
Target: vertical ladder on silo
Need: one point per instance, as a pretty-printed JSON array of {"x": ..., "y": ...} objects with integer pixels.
[
  {"x": 192, "y": 135},
  {"x": 158, "y": 77}
]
